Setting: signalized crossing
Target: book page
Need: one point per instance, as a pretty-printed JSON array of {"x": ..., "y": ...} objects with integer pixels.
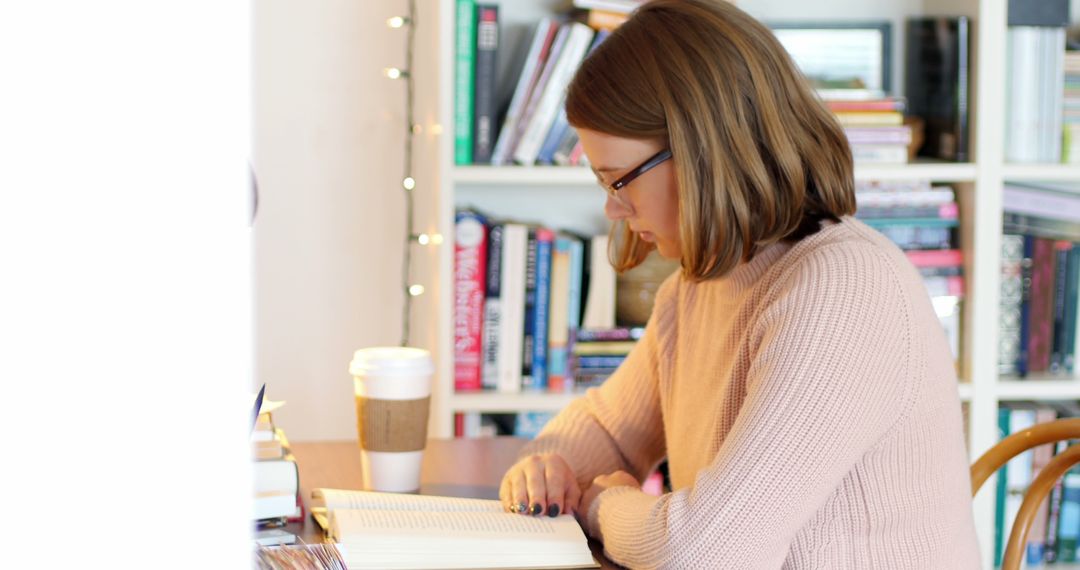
[{"x": 342, "y": 499}]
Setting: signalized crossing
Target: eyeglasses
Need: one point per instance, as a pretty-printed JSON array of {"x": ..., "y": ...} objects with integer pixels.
[{"x": 653, "y": 161}]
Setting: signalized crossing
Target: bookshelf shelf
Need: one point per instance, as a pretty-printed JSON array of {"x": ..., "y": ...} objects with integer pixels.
[
  {"x": 489, "y": 402},
  {"x": 1038, "y": 388},
  {"x": 560, "y": 175},
  {"x": 1042, "y": 172},
  {"x": 936, "y": 171}
]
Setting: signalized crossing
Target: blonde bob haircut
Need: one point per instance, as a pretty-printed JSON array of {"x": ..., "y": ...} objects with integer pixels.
[{"x": 757, "y": 156}]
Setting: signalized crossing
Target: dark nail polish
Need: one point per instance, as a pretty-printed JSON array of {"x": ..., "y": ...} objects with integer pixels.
[
  {"x": 537, "y": 509},
  {"x": 553, "y": 510},
  {"x": 522, "y": 508}
]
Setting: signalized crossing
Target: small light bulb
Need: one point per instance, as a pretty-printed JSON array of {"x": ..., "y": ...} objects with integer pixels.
[
  {"x": 436, "y": 239},
  {"x": 435, "y": 129},
  {"x": 417, "y": 129},
  {"x": 408, "y": 183},
  {"x": 416, "y": 290},
  {"x": 396, "y": 22},
  {"x": 424, "y": 239},
  {"x": 394, "y": 73}
]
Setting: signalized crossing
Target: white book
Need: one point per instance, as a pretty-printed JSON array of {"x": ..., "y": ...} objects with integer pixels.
[
  {"x": 879, "y": 153},
  {"x": 577, "y": 44},
  {"x": 530, "y": 74},
  {"x": 512, "y": 298},
  {"x": 600, "y": 300},
  {"x": 392, "y": 531},
  {"x": 276, "y": 475},
  {"x": 272, "y": 505}
]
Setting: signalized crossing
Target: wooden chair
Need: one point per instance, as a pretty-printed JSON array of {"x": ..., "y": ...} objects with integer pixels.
[{"x": 1014, "y": 445}]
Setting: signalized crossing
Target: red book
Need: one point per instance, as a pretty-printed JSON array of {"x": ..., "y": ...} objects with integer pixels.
[
  {"x": 1041, "y": 314},
  {"x": 470, "y": 257}
]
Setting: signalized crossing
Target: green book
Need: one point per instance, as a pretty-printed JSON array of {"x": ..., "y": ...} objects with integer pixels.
[{"x": 464, "y": 68}]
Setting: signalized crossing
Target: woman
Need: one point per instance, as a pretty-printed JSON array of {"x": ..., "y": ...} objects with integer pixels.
[{"x": 793, "y": 373}]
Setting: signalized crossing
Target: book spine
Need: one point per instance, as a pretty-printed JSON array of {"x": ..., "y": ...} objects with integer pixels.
[
  {"x": 1041, "y": 227},
  {"x": 512, "y": 291},
  {"x": 558, "y": 327},
  {"x": 950, "y": 211},
  {"x": 879, "y": 154},
  {"x": 1011, "y": 298},
  {"x": 1054, "y": 508},
  {"x": 1042, "y": 306},
  {"x": 1069, "y": 518},
  {"x": 529, "y": 338},
  {"x": 464, "y": 60},
  {"x": 558, "y": 44},
  {"x": 939, "y": 258},
  {"x": 1072, "y": 301},
  {"x": 492, "y": 307},
  {"x": 600, "y": 361},
  {"x": 1025, "y": 305},
  {"x": 554, "y": 136},
  {"x": 1061, "y": 265},
  {"x": 565, "y": 148},
  {"x": 487, "y": 44},
  {"x": 1001, "y": 491},
  {"x": 544, "y": 241},
  {"x": 609, "y": 335},
  {"x": 869, "y": 118},
  {"x": 470, "y": 241}
]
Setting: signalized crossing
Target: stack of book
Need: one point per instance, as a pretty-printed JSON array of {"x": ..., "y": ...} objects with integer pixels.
[
  {"x": 923, "y": 220},
  {"x": 276, "y": 478},
  {"x": 1040, "y": 280},
  {"x": 875, "y": 128},
  {"x": 598, "y": 353},
  {"x": 1070, "y": 151}
]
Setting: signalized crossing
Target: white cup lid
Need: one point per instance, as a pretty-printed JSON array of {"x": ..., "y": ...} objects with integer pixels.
[{"x": 391, "y": 360}]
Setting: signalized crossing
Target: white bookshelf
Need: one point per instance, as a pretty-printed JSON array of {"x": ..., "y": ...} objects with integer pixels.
[{"x": 568, "y": 197}]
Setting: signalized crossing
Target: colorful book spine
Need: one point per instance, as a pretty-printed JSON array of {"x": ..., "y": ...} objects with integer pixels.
[
  {"x": 512, "y": 291},
  {"x": 1001, "y": 491},
  {"x": 1061, "y": 267},
  {"x": 1054, "y": 507},
  {"x": 545, "y": 238},
  {"x": 558, "y": 325},
  {"x": 484, "y": 108},
  {"x": 1072, "y": 301},
  {"x": 1025, "y": 306},
  {"x": 600, "y": 361},
  {"x": 621, "y": 333},
  {"x": 1041, "y": 314},
  {"x": 464, "y": 62},
  {"x": 470, "y": 255},
  {"x": 528, "y": 337},
  {"x": 1069, "y": 518},
  {"x": 492, "y": 307}
]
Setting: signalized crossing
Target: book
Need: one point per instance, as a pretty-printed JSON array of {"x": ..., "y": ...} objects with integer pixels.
[
  {"x": 464, "y": 66},
  {"x": 393, "y": 531},
  {"x": 512, "y": 293},
  {"x": 492, "y": 308},
  {"x": 470, "y": 255},
  {"x": 484, "y": 105},
  {"x": 600, "y": 301}
]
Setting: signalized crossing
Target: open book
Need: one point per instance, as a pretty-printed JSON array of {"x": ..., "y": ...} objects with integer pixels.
[{"x": 392, "y": 531}]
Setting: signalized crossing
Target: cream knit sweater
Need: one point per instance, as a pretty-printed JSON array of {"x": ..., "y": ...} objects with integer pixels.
[{"x": 808, "y": 409}]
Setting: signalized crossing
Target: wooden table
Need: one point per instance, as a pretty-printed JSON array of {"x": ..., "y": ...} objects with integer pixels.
[{"x": 451, "y": 467}]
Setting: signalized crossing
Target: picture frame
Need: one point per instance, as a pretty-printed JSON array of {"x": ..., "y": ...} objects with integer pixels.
[{"x": 841, "y": 58}]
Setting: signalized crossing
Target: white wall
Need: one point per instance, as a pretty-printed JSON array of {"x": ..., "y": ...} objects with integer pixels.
[{"x": 328, "y": 154}]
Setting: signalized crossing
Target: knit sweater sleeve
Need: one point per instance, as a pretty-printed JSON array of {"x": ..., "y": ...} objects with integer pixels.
[
  {"x": 833, "y": 371},
  {"x": 618, "y": 425}
]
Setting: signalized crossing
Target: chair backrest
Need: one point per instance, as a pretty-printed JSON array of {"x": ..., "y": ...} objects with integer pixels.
[{"x": 1014, "y": 445}]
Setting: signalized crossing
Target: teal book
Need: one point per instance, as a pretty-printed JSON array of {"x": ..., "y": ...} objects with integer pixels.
[
  {"x": 464, "y": 69},
  {"x": 1004, "y": 417}
]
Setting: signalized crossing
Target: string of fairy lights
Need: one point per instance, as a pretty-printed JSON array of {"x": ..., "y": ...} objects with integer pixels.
[{"x": 408, "y": 183}]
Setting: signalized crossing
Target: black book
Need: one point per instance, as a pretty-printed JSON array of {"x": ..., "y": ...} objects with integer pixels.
[
  {"x": 484, "y": 113},
  {"x": 1043, "y": 13},
  {"x": 937, "y": 83}
]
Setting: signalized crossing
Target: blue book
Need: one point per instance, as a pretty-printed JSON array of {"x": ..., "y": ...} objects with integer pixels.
[
  {"x": 577, "y": 269},
  {"x": 545, "y": 239},
  {"x": 1069, "y": 518},
  {"x": 551, "y": 142}
]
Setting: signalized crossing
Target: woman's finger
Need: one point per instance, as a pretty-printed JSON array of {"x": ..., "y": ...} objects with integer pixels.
[
  {"x": 536, "y": 485},
  {"x": 519, "y": 492},
  {"x": 555, "y": 476}
]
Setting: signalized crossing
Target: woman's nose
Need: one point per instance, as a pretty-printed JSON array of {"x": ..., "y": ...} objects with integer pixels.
[{"x": 615, "y": 209}]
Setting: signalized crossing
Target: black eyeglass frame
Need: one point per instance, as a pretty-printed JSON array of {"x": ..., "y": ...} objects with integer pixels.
[{"x": 646, "y": 166}]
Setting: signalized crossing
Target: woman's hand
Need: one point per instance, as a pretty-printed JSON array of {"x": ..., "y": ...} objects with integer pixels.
[
  {"x": 602, "y": 483},
  {"x": 541, "y": 483}
]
